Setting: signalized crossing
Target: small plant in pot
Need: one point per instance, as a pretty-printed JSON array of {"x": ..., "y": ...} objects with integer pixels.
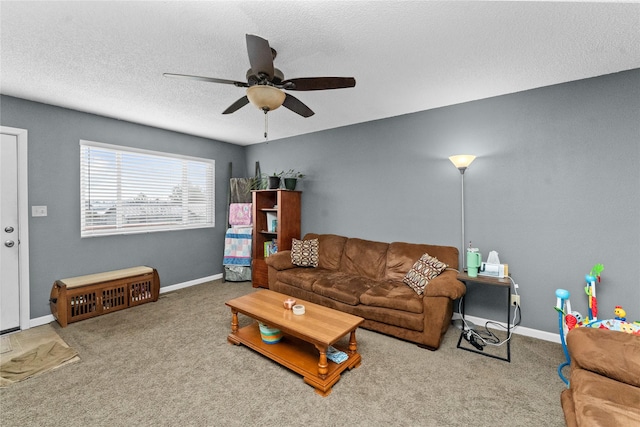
[
  {"x": 291, "y": 178},
  {"x": 258, "y": 182},
  {"x": 274, "y": 180}
]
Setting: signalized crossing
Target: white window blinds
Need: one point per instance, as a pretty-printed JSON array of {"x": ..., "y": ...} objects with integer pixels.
[{"x": 125, "y": 190}]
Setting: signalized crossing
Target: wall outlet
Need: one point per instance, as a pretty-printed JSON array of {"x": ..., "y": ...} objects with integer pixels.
[
  {"x": 515, "y": 300},
  {"x": 38, "y": 211}
]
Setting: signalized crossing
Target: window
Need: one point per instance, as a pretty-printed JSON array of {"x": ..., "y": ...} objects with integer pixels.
[{"x": 126, "y": 190}]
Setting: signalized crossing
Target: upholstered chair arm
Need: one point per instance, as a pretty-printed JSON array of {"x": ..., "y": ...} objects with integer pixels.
[
  {"x": 280, "y": 260},
  {"x": 446, "y": 285},
  {"x": 612, "y": 354}
]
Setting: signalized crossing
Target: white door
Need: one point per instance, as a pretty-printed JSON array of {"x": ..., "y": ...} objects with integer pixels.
[{"x": 9, "y": 255}]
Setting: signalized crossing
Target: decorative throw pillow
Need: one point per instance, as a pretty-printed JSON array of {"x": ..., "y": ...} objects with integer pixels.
[
  {"x": 425, "y": 269},
  {"x": 304, "y": 253}
]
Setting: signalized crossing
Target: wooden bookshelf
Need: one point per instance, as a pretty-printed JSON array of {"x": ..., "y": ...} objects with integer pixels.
[{"x": 284, "y": 206}]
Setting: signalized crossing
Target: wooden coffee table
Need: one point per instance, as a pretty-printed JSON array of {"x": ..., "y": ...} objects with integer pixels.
[{"x": 305, "y": 340}]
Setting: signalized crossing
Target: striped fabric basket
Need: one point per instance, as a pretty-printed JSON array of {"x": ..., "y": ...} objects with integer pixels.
[{"x": 269, "y": 335}]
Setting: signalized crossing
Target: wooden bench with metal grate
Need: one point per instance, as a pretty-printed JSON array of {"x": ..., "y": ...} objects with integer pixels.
[{"x": 82, "y": 297}]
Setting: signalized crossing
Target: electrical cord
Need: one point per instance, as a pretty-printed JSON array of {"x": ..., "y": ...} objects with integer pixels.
[{"x": 486, "y": 337}]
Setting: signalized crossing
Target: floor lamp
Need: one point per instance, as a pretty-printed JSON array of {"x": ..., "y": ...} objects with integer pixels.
[{"x": 462, "y": 162}]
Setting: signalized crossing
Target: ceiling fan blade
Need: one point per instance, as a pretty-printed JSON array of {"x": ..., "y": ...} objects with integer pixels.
[
  {"x": 319, "y": 83},
  {"x": 295, "y": 105},
  {"x": 237, "y": 105},
  {"x": 260, "y": 55},
  {"x": 206, "y": 79}
]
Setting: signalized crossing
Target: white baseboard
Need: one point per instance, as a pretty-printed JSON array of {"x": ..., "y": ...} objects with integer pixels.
[
  {"x": 38, "y": 321},
  {"x": 520, "y": 330},
  {"x": 194, "y": 282}
]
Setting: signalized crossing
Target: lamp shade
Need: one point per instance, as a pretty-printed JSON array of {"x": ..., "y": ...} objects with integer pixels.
[
  {"x": 265, "y": 97},
  {"x": 462, "y": 161}
]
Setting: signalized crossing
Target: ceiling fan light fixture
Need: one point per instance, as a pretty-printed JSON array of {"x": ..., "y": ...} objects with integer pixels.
[
  {"x": 265, "y": 83},
  {"x": 265, "y": 97}
]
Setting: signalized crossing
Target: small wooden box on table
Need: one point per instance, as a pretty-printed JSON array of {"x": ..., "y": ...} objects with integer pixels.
[
  {"x": 306, "y": 337},
  {"x": 82, "y": 297}
]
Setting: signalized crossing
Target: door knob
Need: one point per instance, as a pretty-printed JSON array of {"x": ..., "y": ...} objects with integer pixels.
[
  {"x": 8, "y": 229},
  {"x": 9, "y": 243}
]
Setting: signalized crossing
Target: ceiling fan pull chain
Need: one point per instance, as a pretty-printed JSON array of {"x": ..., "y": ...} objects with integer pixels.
[{"x": 266, "y": 125}]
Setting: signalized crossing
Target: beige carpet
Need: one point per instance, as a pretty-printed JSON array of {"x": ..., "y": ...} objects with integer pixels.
[
  {"x": 168, "y": 363},
  {"x": 32, "y": 352}
]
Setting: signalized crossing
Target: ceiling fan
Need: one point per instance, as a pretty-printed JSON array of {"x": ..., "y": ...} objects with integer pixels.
[{"x": 265, "y": 84}]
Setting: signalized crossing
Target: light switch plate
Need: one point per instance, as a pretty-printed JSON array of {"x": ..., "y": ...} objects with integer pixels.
[{"x": 38, "y": 211}]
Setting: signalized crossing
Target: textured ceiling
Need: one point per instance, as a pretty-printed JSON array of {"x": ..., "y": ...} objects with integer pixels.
[{"x": 108, "y": 58}]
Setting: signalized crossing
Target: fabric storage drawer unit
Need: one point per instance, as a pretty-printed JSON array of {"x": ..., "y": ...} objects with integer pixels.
[{"x": 82, "y": 297}]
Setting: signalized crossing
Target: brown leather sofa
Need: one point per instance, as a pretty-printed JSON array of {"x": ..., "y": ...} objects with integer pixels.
[
  {"x": 364, "y": 278},
  {"x": 604, "y": 380}
]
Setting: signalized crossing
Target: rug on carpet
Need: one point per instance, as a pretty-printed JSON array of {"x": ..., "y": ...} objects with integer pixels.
[
  {"x": 33, "y": 352},
  {"x": 5, "y": 345}
]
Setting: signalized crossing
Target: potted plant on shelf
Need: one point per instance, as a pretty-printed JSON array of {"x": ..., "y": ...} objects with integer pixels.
[
  {"x": 274, "y": 180},
  {"x": 258, "y": 182},
  {"x": 291, "y": 178}
]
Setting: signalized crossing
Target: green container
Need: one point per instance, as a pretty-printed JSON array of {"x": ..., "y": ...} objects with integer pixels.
[{"x": 269, "y": 335}]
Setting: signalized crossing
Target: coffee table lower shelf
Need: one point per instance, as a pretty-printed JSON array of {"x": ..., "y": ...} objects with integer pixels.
[{"x": 298, "y": 355}]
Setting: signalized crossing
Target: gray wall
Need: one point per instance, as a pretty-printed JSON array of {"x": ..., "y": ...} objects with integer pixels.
[
  {"x": 555, "y": 188},
  {"x": 56, "y": 249}
]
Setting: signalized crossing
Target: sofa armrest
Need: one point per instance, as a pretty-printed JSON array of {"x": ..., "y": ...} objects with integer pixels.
[
  {"x": 446, "y": 285},
  {"x": 280, "y": 260},
  {"x": 612, "y": 354}
]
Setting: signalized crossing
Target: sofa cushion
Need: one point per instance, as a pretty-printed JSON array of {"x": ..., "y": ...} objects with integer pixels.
[
  {"x": 304, "y": 253},
  {"x": 364, "y": 258},
  {"x": 391, "y": 317},
  {"x": 301, "y": 277},
  {"x": 585, "y": 346},
  {"x": 342, "y": 287},
  {"x": 425, "y": 269},
  {"x": 599, "y": 400},
  {"x": 569, "y": 409},
  {"x": 394, "y": 295},
  {"x": 330, "y": 249},
  {"x": 445, "y": 285},
  {"x": 280, "y": 260},
  {"x": 401, "y": 256}
]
